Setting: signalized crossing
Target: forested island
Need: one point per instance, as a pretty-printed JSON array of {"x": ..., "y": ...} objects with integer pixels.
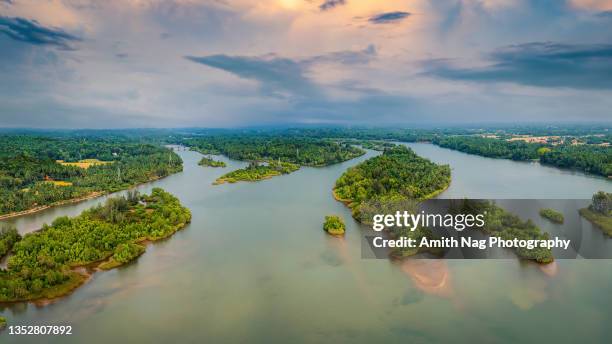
[
  {"x": 393, "y": 181},
  {"x": 334, "y": 225},
  {"x": 41, "y": 171},
  {"x": 397, "y": 174},
  {"x": 398, "y": 179},
  {"x": 552, "y": 215},
  {"x": 256, "y": 171},
  {"x": 211, "y": 162},
  {"x": 600, "y": 211},
  {"x": 44, "y": 264}
]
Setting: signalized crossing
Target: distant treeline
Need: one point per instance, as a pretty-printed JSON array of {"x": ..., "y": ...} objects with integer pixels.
[
  {"x": 586, "y": 158},
  {"x": 303, "y": 151}
]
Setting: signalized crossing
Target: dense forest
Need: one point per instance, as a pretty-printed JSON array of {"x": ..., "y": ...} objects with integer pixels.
[
  {"x": 39, "y": 171},
  {"x": 297, "y": 150},
  {"x": 396, "y": 174},
  {"x": 8, "y": 237},
  {"x": 393, "y": 181},
  {"x": 586, "y": 158},
  {"x": 42, "y": 264}
]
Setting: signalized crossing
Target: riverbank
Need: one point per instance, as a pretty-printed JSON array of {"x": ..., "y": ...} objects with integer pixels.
[
  {"x": 92, "y": 195},
  {"x": 71, "y": 249},
  {"x": 56, "y": 204},
  {"x": 600, "y": 221}
]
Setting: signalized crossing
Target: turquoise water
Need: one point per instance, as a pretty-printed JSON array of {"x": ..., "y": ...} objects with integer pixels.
[{"x": 255, "y": 265}]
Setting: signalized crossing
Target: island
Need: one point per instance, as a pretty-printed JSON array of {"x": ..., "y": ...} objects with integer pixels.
[
  {"x": 599, "y": 212},
  {"x": 256, "y": 171},
  {"x": 334, "y": 225},
  {"x": 38, "y": 172},
  {"x": 393, "y": 181},
  {"x": 398, "y": 174},
  {"x": 2, "y": 323},
  {"x": 211, "y": 162},
  {"x": 552, "y": 215},
  {"x": 399, "y": 179},
  {"x": 60, "y": 257}
]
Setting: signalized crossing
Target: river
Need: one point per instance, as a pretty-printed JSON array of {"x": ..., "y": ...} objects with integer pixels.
[{"x": 255, "y": 266}]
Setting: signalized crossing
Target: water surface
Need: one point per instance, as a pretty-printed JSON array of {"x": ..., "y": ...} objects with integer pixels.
[{"x": 255, "y": 265}]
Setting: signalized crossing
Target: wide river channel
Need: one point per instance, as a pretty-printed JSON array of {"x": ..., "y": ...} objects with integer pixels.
[{"x": 256, "y": 266}]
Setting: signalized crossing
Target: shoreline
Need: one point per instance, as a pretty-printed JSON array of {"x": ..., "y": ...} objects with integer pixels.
[
  {"x": 82, "y": 273},
  {"x": 37, "y": 209},
  {"x": 92, "y": 195}
]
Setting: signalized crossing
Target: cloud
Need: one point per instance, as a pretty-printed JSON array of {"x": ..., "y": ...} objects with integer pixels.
[
  {"x": 329, "y": 4},
  {"x": 276, "y": 74},
  {"x": 347, "y": 57},
  {"x": 539, "y": 64},
  {"x": 32, "y": 32},
  {"x": 592, "y": 4},
  {"x": 388, "y": 17},
  {"x": 280, "y": 76}
]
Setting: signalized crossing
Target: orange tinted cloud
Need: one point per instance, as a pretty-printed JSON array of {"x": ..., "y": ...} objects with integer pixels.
[{"x": 600, "y": 5}]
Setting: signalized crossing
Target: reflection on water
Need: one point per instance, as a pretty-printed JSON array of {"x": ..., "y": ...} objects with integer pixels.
[
  {"x": 256, "y": 266},
  {"x": 431, "y": 276}
]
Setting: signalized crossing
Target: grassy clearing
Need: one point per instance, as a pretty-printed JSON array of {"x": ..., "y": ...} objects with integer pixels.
[{"x": 85, "y": 163}]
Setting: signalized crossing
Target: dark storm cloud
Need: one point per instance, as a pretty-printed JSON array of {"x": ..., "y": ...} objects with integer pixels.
[
  {"x": 539, "y": 64},
  {"x": 30, "y": 31},
  {"x": 329, "y": 4},
  {"x": 279, "y": 75},
  {"x": 276, "y": 74},
  {"x": 389, "y": 17}
]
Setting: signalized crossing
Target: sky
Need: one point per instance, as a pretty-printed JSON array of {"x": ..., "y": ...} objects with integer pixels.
[{"x": 228, "y": 63}]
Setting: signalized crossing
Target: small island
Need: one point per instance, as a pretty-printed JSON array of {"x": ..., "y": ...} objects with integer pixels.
[
  {"x": 334, "y": 225},
  {"x": 271, "y": 156},
  {"x": 2, "y": 323},
  {"x": 599, "y": 212},
  {"x": 258, "y": 171},
  {"x": 552, "y": 215},
  {"x": 211, "y": 162},
  {"x": 60, "y": 257}
]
